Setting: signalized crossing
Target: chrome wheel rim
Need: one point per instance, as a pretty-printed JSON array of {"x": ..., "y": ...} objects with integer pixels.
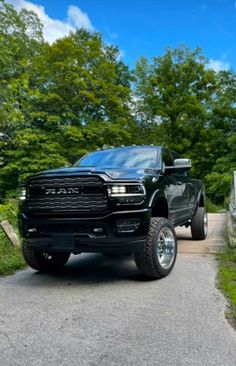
[
  {"x": 205, "y": 224},
  {"x": 166, "y": 247}
]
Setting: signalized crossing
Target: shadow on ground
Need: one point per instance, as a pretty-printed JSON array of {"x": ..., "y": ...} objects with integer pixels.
[{"x": 87, "y": 269}]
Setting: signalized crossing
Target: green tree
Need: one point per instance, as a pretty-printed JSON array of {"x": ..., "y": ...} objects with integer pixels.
[
  {"x": 172, "y": 96},
  {"x": 181, "y": 103},
  {"x": 60, "y": 101},
  {"x": 80, "y": 81},
  {"x": 57, "y": 101},
  {"x": 20, "y": 40}
]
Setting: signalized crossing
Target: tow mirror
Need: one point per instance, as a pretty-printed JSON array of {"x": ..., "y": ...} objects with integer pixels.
[{"x": 183, "y": 163}]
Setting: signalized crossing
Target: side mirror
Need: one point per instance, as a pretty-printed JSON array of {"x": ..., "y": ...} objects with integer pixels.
[{"x": 183, "y": 163}]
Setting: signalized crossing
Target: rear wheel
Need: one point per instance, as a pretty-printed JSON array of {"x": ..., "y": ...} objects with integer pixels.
[
  {"x": 44, "y": 261},
  {"x": 199, "y": 224},
  {"x": 160, "y": 250}
]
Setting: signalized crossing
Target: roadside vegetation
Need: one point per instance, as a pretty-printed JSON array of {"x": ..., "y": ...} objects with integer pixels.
[
  {"x": 227, "y": 279},
  {"x": 11, "y": 258},
  {"x": 213, "y": 208}
]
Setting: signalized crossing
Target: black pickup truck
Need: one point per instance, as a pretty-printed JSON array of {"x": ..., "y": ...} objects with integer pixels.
[{"x": 119, "y": 200}]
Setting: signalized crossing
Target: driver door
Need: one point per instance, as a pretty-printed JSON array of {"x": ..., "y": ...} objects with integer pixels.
[{"x": 176, "y": 191}]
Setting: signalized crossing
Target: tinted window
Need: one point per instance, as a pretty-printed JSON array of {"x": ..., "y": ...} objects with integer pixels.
[{"x": 139, "y": 157}]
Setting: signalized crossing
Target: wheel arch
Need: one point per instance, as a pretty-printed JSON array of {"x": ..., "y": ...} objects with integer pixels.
[
  {"x": 201, "y": 200},
  {"x": 159, "y": 207}
]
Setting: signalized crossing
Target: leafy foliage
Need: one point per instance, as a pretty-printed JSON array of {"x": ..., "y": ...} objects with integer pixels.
[
  {"x": 191, "y": 109},
  {"x": 227, "y": 280},
  {"x": 57, "y": 101},
  {"x": 11, "y": 258},
  {"x": 60, "y": 101}
]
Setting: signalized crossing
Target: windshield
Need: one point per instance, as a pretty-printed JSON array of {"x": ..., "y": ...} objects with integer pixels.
[{"x": 139, "y": 157}]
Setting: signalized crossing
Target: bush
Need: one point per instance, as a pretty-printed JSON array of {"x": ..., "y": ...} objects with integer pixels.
[
  {"x": 8, "y": 211},
  {"x": 212, "y": 207}
]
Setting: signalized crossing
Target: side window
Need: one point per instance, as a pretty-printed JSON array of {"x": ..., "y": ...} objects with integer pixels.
[{"x": 167, "y": 158}]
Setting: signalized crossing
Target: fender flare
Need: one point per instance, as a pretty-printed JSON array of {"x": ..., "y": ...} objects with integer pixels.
[
  {"x": 201, "y": 194},
  {"x": 159, "y": 210},
  {"x": 154, "y": 197}
]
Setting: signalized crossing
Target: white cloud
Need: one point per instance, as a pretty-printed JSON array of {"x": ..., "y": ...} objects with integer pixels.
[
  {"x": 55, "y": 28},
  {"x": 218, "y": 65},
  {"x": 79, "y": 19}
]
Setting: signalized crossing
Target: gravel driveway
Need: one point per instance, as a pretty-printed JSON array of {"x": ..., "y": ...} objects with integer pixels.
[{"x": 99, "y": 311}]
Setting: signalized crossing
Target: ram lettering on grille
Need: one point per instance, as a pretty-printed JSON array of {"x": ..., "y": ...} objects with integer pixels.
[
  {"x": 66, "y": 194},
  {"x": 68, "y": 190}
]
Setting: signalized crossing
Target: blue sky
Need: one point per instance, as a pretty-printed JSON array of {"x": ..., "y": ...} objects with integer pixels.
[{"x": 147, "y": 27}]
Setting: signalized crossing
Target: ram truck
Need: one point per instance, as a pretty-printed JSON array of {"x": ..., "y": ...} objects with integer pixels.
[{"x": 125, "y": 200}]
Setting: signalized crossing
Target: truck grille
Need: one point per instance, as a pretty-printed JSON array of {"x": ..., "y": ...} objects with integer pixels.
[{"x": 68, "y": 194}]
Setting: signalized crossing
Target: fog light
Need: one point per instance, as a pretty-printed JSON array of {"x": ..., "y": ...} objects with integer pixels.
[
  {"x": 127, "y": 225},
  {"x": 32, "y": 230},
  {"x": 98, "y": 230}
]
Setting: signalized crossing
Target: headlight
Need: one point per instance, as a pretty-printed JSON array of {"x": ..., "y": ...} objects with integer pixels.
[
  {"x": 117, "y": 190},
  {"x": 22, "y": 193},
  {"x": 126, "y": 190}
]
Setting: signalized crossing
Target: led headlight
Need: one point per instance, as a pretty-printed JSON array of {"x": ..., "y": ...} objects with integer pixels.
[
  {"x": 126, "y": 190},
  {"x": 118, "y": 189}
]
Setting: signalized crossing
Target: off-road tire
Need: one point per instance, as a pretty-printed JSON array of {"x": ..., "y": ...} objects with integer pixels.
[
  {"x": 42, "y": 261},
  {"x": 198, "y": 224},
  {"x": 148, "y": 262}
]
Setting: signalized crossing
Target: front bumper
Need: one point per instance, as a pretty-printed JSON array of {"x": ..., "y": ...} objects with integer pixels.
[{"x": 77, "y": 235}]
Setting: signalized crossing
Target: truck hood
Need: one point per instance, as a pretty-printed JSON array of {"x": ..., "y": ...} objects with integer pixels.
[{"x": 113, "y": 173}]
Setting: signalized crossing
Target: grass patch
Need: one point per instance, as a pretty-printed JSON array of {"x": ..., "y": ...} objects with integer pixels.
[
  {"x": 227, "y": 278},
  {"x": 11, "y": 258}
]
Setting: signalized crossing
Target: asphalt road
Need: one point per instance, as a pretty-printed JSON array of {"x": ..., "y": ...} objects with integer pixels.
[{"x": 99, "y": 311}]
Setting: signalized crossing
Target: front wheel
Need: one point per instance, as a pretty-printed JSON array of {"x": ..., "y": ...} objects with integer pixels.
[
  {"x": 160, "y": 250},
  {"x": 44, "y": 261},
  {"x": 199, "y": 224}
]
